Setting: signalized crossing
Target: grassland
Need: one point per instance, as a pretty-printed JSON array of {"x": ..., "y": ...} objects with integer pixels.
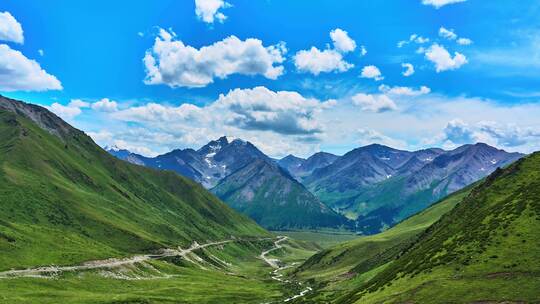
[
  {"x": 324, "y": 238},
  {"x": 228, "y": 274}
]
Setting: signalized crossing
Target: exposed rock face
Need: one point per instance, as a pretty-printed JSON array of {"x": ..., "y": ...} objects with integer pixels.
[{"x": 40, "y": 116}]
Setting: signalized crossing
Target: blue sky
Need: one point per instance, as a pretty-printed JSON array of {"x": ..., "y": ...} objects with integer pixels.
[{"x": 290, "y": 76}]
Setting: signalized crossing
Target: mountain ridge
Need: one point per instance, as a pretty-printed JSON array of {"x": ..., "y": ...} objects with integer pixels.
[{"x": 380, "y": 185}]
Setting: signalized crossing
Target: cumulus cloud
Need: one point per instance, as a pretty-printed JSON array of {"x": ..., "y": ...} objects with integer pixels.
[
  {"x": 404, "y": 91},
  {"x": 10, "y": 29},
  {"x": 77, "y": 103},
  {"x": 464, "y": 41},
  {"x": 447, "y": 34},
  {"x": 175, "y": 64},
  {"x": 440, "y": 3},
  {"x": 409, "y": 69},
  {"x": 342, "y": 41},
  {"x": 371, "y": 72},
  {"x": 155, "y": 113},
  {"x": 70, "y": 111},
  {"x": 258, "y": 115},
  {"x": 363, "y": 50},
  {"x": 451, "y": 35},
  {"x": 105, "y": 105},
  {"x": 374, "y": 103},
  {"x": 413, "y": 38},
  {"x": 458, "y": 132},
  {"x": 282, "y": 112},
  {"x": 503, "y": 135},
  {"x": 18, "y": 73},
  {"x": 507, "y": 135},
  {"x": 65, "y": 112},
  {"x": 316, "y": 61},
  {"x": 443, "y": 60},
  {"x": 368, "y": 136},
  {"x": 208, "y": 10}
]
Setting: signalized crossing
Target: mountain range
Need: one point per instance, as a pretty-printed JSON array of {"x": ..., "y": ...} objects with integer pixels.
[
  {"x": 249, "y": 181},
  {"x": 380, "y": 186},
  {"x": 376, "y": 186}
]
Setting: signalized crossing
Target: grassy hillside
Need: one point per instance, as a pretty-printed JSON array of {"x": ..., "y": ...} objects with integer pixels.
[
  {"x": 485, "y": 249},
  {"x": 269, "y": 195},
  {"x": 64, "y": 197},
  {"x": 343, "y": 266}
]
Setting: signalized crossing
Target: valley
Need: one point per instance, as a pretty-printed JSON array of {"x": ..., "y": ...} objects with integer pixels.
[
  {"x": 267, "y": 152},
  {"x": 118, "y": 232}
]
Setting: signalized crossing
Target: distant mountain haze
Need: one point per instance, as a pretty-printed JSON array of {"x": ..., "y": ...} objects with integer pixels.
[{"x": 375, "y": 185}]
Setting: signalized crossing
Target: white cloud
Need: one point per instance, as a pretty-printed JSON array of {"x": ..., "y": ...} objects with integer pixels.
[
  {"x": 451, "y": 35},
  {"x": 503, "y": 135},
  {"x": 404, "y": 91},
  {"x": 342, "y": 41},
  {"x": 41, "y": 52},
  {"x": 66, "y": 112},
  {"x": 10, "y": 29},
  {"x": 374, "y": 103},
  {"x": 464, "y": 41},
  {"x": 409, "y": 69},
  {"x": 440, "y": 3},
  {"x": 175, "y": 64},
  {"x": 282, "y": 112},
  {"x": 363, "y": 50},
  {"x": 316, "y": 61},
  {"x": 371, "y": 72},
  {"x": 155, "y": 113},
  {"x": 18, "y": 73},
  {"x": 421, "y": 40},
  {"x": 368, "y": 136},
  {"x": 105, "y": 105},
  {"x": 443, "y": 60},
  {"x": 77, "y": 103},
  {"x": 447, "y": 34},
  {"x": 208, "y": 10},
  {"x": 413, "y": 38},
  {"x": 69, "y": 112},
  {"x": 458, "y": 132},
  {"x": 285, "y": 122}
]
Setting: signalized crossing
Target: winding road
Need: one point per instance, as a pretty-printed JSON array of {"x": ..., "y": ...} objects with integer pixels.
[
  {"x": 276, "y": 275},
  {"x": 109, "y": 263},
  {"x": 47, "y": 271}
]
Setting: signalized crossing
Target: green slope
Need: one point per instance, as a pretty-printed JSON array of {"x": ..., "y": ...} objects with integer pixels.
[
  {"x": 485, "y": 250},
  {"x": 342, "y": 266},
  {"x": 269, "y": 195},
  {"x": 64, "y": 200}
]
